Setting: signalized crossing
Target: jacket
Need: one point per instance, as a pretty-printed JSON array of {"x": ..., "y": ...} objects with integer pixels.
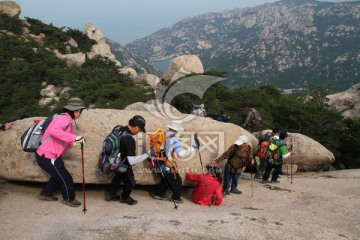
[
  {"x": 58, "y": 136},
  {"x": 203, "y": 194},
  {"x": 237, "y": 158}
]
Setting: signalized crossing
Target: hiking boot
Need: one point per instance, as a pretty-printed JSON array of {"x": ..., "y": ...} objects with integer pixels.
[
  {"x": 237, "y": 191},
  {"x": 47, "y": 198},
  {"x": 272, "y": 181},
  {"x": 265, "y": 181},
  {"x": 111, "y": 197},
  {"x": 224, "y": 193},
  {"x": 177, "y": 200},
  {"x": 163, "y": 197},
  {"x": 73, "y": 203},
  {"x": 129, "y": 201}
]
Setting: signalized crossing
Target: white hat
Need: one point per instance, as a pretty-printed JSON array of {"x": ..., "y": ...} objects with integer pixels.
[
  {"x": 242, "y": 139},
  {"x": 175, "y": 125}
]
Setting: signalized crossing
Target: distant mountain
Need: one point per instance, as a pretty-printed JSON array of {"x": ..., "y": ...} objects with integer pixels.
[
  {"x": 289, "y": 43},
  {"x": 127, "y": 58}
]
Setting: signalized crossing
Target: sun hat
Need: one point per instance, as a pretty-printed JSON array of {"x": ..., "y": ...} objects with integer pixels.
[
  {"x": 139, "y": 121},
  {"x": 175, "y": 125},
  {"x": 242, "y": 139},
  {"x": 75, "y": 104}
]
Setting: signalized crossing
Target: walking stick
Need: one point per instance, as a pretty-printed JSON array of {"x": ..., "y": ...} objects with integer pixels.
[
  {"x": 290, "y": 148},
  {"x": 83, "y": 176},
  {"x": 206, "y": 188},
  {"x": 252, "y": 192}
]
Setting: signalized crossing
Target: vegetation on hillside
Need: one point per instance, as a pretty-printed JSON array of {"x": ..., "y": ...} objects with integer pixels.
[{"x": 26, "y": 64}]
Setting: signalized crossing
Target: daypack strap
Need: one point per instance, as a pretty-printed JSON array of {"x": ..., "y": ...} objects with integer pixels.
[{"x": 50, "y": 137}]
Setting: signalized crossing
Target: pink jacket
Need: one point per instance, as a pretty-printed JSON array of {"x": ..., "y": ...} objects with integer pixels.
[
  {"x": 58, "y": 137},
  {"x": 203, "y": 194}
]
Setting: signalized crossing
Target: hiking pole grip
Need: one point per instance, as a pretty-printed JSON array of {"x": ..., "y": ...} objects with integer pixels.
[{"x": 83, "y": 175}]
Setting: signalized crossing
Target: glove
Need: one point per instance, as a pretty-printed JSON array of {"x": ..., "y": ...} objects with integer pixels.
[
  {"x": 79, "y": 140},
  {"x": 151, "y": 152},
  {"x": 196, "y": 144}
]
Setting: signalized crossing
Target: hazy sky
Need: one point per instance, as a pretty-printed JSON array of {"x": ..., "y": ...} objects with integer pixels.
[{"x": 125, "y": 20}]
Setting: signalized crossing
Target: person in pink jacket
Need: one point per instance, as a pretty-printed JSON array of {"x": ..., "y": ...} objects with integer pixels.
[
  {"x": 208, "y": 189},
  {"x": 59, "y": 136}
]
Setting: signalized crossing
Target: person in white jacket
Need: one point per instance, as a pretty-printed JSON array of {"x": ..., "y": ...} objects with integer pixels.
[{"x": 170, "y": 178}]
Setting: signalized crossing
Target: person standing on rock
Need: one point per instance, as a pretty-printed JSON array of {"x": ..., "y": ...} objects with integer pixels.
[
  {"x": 128, "y": 156},
  {"x": 277, "y": 162},
  {"x": 238, "y": 155},
  {"x": 57, "y": 138}
]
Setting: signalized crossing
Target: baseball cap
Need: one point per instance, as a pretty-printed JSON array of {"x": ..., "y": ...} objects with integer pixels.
[{"x": 139, "y": 121}]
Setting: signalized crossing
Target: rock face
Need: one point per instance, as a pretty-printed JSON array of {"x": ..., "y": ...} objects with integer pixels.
[
  {"x": 10, "y": 8},
  {"x": 182, "y": 66},
  {"x": 146, "y": 80},
  {"x": 309, "y": 155},
  {"x": 94, "y": 124},
  {"x": 348, "y": 102},
  {"x": 101, "y": 48}
]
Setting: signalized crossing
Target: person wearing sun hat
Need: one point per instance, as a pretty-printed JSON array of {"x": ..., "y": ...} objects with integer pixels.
[
  {"x": 170, "y": 178},
  {"x": 58, "y": 137},
  {"x": 238, "y": 155}
]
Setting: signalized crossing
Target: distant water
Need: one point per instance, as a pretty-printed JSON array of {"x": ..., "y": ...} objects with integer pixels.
[{"x": 163, "y": 65}]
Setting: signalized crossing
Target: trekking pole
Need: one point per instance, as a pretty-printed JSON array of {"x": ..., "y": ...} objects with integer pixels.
[
  {"x": 287, "y": 170},
  {"x": 202, "y": 168},
  {"x": 290, "y": 148},
  {"x": 251, "y": 182},
  {"x": 83, "y": 176}
]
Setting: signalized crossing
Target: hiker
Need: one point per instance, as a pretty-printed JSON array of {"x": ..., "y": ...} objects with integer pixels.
[
  {"x": 170, "y": 178},
  {"x": 276, "y": 163},
  {"x": 159, "y": 90},
  {"x": 276, "y": 133},
  {"x": 208, "y": 188},
  {"x": 128, "y": 156},
  {"x": 221, "y": 117},
  {"x": 264, "y": 142},
  {"x": 238, "y": 155},
  {"x": 6, "y": 126},
  {"x": 199, "y": 110},
  {"x": 57, "y": 138},
  {"x": 252, "y": 118}
]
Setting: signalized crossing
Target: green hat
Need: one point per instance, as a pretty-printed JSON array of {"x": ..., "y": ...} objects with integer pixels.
[{"x": 74, "y": 104}]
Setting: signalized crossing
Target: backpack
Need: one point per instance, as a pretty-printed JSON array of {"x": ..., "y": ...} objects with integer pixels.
[
  {"x": 263, "y": 145},
  {"x": 256, "y": 117},
  {"x": 272, "y": 155},
  {"x": 157, "y": 141},
  {"x": 31, "y": 139},
  {"x": 110, "y": 157}
]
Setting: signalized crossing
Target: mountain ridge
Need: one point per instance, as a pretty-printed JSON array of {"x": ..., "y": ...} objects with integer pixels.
[{"x": 287, "y": 43}]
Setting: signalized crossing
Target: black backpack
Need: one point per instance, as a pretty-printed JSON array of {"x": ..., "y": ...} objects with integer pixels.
[{"x": 110, "y": 157}]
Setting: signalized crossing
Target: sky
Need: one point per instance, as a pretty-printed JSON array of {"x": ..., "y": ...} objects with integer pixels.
[{"x": 125, "y": 20}]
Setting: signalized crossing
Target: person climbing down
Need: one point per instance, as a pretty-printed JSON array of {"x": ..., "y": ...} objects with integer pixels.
[
  {"x": 208, "y": 188},
  {"x": 239, "y": 155},
  {"x": 252, "y": 119}
]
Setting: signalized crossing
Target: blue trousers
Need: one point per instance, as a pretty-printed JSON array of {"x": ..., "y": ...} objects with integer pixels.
[
  {"x": 60, "y": 177},
  {"x": 230, "y": 178}
]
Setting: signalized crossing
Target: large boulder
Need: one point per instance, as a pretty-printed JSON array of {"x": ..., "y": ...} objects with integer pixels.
[
  {"x": 309, "y": 155},
  {"x": 182, "y": 66},
  {"x": 347, "y": 103},
  {"x": 10, "y": 8},
  {"x": 94, "y": 124}
]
